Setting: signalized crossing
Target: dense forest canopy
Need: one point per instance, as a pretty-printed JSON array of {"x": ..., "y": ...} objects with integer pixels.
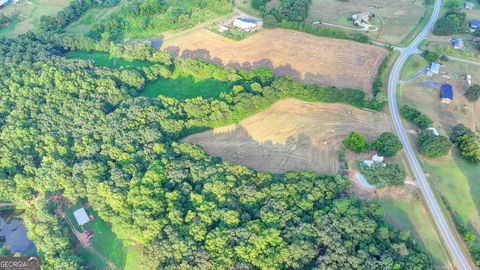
[{"x": 69, "y": 127}]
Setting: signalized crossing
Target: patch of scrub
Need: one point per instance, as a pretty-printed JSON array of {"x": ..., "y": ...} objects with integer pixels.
[
  {"x": 104, "y": 60},
  {"x": 407, "y": 212},
  {"x": 185, "y": 87}
]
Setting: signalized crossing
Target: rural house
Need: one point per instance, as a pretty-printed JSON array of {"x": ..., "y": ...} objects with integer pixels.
[
  {"x": 375, "y": 159},
  {"x": 3, "y": 3},
  {"x": 446, "y": 93},
  {"x": 474, "y": 24},
  {"x": 433, "y": 69},
  {"x": 81, "y": 216},
  {"x": 458, "y": 44},
  {"x": 246, "y": 24},
  {"x": 469, "y": 5},
  {"x": 360, "y": 18}
]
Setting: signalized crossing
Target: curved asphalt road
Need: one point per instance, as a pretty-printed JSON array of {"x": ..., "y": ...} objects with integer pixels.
[{"x": 448, "y": 237}]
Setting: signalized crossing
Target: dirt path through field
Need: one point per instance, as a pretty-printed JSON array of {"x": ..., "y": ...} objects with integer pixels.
[
  {"x": 307, "y": 58},
  {"x": 292, "y": 135}
]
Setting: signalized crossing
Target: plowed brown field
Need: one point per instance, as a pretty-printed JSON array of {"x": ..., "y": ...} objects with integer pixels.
[
  {"x": 307, "y": 58},
  {"x": 292, "y": 135}
]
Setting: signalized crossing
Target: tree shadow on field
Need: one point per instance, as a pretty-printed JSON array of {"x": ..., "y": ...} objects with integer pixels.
[
  {"x": 286, "y": 70},
  {"x": 296, "y": 153}
]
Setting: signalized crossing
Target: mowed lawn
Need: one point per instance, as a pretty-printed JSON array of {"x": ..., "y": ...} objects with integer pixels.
[
  {"x": 106, "y": 243},
  {"x": 453, "y": 177},
  {"x": 414, "y": 64},
  {"x": 26, "y": 15},
  {"x": 408, "y": 213},
  {"x": 396, "y": 19},
  {"x": 90, "y": 18},
  {"x": 185, "y": 88},
  {"x": 457, "y": 180}
]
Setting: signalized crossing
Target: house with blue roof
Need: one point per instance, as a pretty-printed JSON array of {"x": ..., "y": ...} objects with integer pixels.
[
  {"x": 446, "y": 92},
  {"x": 474, "y": 24},
  {"x": 3, "y": 3}
]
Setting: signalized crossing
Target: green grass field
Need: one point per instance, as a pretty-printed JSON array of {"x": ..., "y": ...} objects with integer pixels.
[
  {"x": 414, "y": 64},
  {"x": 244, "y": 6},
  {"x": 184, "y": 88},
  {"x": 90, "y": 18},
  {"x": 457, "y": 181},
  {"x": 106, "y": 243},
  {"x": 407, "y": 212},
  {"x": 104, "y": 60},
  {"x": 26, "y": 15}
]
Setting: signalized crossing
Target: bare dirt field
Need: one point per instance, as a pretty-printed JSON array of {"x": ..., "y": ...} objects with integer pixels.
[
  {"x": 307, "y": 58},
  {"x": 292, "y": 135},
  {"x": 395, "y": 18}
]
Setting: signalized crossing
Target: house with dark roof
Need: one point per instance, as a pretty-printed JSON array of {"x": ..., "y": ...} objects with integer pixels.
[
  {"x": 458, "y": 44},
  {"x": 469, "y": 5},
  {"x": 474, "y": 24},
  {"x": 446, "y": 92}
]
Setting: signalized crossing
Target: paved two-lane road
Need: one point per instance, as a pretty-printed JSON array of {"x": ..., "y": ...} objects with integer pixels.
[{"x": 445, "y": 231}]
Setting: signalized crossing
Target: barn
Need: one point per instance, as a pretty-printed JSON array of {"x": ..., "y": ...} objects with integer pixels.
[{"x": 446, "y": 93}]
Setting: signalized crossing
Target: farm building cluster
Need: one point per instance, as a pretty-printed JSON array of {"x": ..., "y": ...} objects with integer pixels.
[{"x": 245, "y": 24}]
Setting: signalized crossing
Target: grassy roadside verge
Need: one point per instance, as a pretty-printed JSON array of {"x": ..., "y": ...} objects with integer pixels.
[
  {"x": 437, "y": 191},
  {"x": 419, "y": 27}
]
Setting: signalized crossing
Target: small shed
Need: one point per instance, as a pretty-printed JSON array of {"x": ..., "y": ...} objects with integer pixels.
[
  {"x": 458, "y": 44},
  {"x": 446, "y": 93},
  {"x": 81, "y": 216},
  {"x": 222, "y": 29},
  {"x": 469, "y": 5},
  {"x": 433, "y": 130},
  {"x": 474, "y": 24},
  {"x": 433, "y": 69}
]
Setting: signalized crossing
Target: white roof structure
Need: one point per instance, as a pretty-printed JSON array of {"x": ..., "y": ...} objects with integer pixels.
[
  {"x": 244, "y": 25},
  {"x": 375, "y": 159},
  {"x": 434, "y": 130},
  {"x": 4, "y": 2},
  {"x": 81, "y": 216},
  {"x": 469, "y": 5},
  {"x": 435, "y": 68},
  {"x": 222, "y": 29}
]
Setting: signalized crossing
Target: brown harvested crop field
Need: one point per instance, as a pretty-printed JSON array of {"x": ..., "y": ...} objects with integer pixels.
[
  {"x": 291, "y": 135},
  {"x": 307, "y": 58}
]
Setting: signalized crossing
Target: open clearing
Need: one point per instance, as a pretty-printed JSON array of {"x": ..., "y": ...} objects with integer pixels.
[
  {"x": 395, "y": 18},
  {"x": 307, "y": 58},
  {"x": 291, "y": 135},
  {"x": 406, "y": 211},
  {"x": 454, "y": 178},
  {"x": 27, "y": 15}
]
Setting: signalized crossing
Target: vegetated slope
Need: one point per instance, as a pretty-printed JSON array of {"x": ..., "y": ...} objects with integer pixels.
[
  {"x": 71, "y": 128},
  {"x": 307, "y": 58},
  {"x": 139, "y": 19},
  {"x": 292, "y": 135},
  {"x": 25, "y": 15}
]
